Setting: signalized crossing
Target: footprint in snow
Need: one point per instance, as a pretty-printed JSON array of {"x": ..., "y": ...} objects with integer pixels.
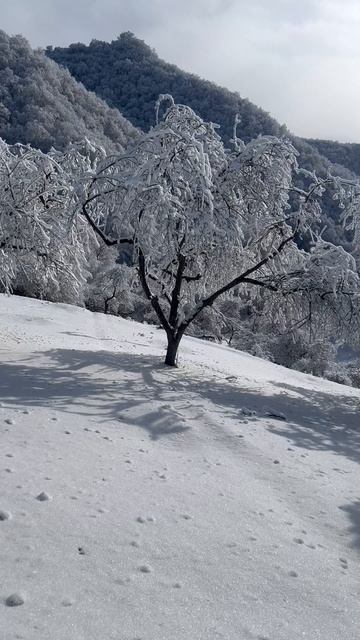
[
  {"x": 123, "y": 582},
  {"x": 145, "y": 568},
  {"x": 143, "y": 520},
  {"x": 67, "y": 602},
  {"x": 5, "y": 515},
  {"x": 344, "y": 563},
  {"x": 15, "y": 600},
  {"x": 9, "y": 421},
  {"x": 43, "y": 497}
]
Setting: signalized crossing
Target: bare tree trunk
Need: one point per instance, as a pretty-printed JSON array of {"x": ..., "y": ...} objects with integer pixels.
[
  {"x": 108, "y": 300},
  {"x": 171, "y": 352}
]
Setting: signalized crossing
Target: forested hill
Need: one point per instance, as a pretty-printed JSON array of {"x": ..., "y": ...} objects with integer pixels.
[
  {"x": 42, "y": 104},
  {"x": 344, "y": 153},
  {"x": 129, "y": 75}
]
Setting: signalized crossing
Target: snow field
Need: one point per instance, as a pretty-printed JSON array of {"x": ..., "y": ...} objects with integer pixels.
[{"x": 217, "y": 501}]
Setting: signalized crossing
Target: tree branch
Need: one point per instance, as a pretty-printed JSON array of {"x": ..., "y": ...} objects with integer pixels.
[
  {"x": 175, "y": 296},
  {"x": 207, "y": 302},
  {"x": 108, "y": 241},
  {"x": 259, "y": 283},
  {"x": 150, "y": 296}
]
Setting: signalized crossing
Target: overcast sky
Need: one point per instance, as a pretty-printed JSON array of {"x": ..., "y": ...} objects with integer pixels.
[{"x": 298, "y": 59}]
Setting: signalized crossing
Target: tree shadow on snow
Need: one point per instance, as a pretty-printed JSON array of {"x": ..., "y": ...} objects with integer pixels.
[
  {"x": 106, "y": 384},
  {"x": 141, "y": 391},
  {"x": 320, "y": 421},
  {"x": 352, "y": 511},
  {"x": 97, "y": 384}
]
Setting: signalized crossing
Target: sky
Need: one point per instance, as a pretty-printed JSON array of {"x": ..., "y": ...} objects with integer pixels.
[{"x": 297, "y": 59}]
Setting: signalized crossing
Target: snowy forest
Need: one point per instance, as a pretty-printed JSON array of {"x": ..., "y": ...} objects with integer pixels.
[{"x": 245, "y": 234}]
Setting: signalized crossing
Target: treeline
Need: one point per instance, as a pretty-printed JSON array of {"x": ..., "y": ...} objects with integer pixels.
[
  {"x": 345, "y": 153},
  {"x": 129, "y": 75}
]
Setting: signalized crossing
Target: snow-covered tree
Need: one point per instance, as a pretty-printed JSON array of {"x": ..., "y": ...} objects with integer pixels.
[
  {"x": 43, "y": 250},
  {"x": 110, "y": 287},
  {"x": 205, "y": 222}
]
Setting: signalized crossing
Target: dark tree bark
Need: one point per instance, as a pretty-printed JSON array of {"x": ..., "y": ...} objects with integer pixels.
[
  {"x": 172, "y": 350},
  {"x": 108, "y": 300}
]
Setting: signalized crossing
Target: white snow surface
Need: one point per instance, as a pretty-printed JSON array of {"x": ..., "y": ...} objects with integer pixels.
[{"x": 148, "y": 503}]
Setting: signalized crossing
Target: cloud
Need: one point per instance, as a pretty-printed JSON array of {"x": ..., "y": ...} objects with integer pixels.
[{"x": 297, "y": 60}]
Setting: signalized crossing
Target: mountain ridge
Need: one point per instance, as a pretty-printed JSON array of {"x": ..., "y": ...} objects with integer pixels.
[{"x": 129, "y": 75}]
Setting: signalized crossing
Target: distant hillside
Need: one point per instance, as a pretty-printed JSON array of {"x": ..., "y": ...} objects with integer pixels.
[
  {"x": 42, "y": 104},
  {"x": 129, "y": 75},
  {"x": 344, "y": 153}
]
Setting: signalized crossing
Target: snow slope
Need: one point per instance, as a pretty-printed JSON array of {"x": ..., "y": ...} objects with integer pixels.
[{"x": 179, "y": 508}]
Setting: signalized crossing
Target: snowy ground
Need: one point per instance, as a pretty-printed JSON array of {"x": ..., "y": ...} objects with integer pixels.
[{"x": 178, "y": 508}]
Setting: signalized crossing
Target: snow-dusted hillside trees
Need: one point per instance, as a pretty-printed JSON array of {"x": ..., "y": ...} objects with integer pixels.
[
  {"x": 206, "y": 223},
  {"x": 44, "y": 251},
  {"x": 42, "y": 104},
  {"x": 181, "y": 231}
]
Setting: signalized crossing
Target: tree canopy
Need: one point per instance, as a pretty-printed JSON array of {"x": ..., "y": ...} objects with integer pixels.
[{"x": 205, "y": 221}]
